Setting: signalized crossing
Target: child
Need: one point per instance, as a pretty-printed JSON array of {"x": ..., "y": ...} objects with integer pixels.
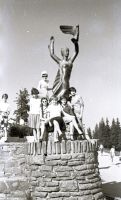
[
  {"x": 69, "y": 117},
  {"x": 4, "y": 112},
  {"x": 43, "y": 85},
  {"x": 34, "y": 114},
  {"x": 43, "y": 116},
  {"x": 55, "y": 118},
  {"x": 77, "y": 104}
]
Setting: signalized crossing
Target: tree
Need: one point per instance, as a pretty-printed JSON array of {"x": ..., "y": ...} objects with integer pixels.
[
  {"x": 96, "y": 132},
  {"x": 101, "y": 131},
  {"x": 89, "y": 133},
  {"x": 22, "y": 100},
  {"x": 115, "y": 130},
  {"x": 106, "y": 135}
]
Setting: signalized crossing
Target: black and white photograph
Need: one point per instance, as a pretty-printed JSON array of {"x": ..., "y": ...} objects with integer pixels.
[{"x": 60, "y": 99}]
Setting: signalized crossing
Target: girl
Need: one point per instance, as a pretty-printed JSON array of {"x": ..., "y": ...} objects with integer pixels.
[
  {"x": 77, "y": 104},
  {"x": 43, "y": 116},
  {"x": 69, "y": 117},
  {"x": 55, "y": 118},
  {"x": 34, "y": 114}
]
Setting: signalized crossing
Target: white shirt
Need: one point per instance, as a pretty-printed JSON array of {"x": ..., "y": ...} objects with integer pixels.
[
  {"x": 54, "y": 110},
  {"x": 43, "y": 88},
  {"x": 34, "y": 106},
  {"x": 4, "y": 106}
]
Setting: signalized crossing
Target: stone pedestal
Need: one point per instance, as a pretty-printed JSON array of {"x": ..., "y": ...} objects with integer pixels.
[{"x": 39, "y": 171}]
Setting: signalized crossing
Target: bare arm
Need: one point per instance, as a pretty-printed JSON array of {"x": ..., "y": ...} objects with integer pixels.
[{"x": 51, "y": 49}]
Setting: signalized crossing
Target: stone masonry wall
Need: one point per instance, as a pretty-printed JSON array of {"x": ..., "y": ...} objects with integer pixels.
[{"x": 39, "y": 171}]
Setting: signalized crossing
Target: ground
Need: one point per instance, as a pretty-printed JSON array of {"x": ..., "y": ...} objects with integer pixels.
[{"x": 110, "y": 173}]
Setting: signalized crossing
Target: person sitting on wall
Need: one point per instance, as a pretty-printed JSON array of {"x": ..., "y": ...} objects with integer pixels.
[
  {"x": 69, "y": 117},
  {"x": 4, "y": 113},
  {"x": 55, "y": 119},
  {"x": 43, "y": 86}
]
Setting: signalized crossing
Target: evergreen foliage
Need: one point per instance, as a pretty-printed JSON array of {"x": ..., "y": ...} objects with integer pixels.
[
  {"x": 22, "y": 100},
  {"x": 108, "y": 135}
]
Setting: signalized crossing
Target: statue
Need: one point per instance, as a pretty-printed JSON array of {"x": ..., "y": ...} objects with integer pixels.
[{"x": 61, "y": 83}]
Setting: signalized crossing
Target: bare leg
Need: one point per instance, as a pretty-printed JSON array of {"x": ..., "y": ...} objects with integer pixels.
[
  {"x": 5, "y": 132},
  {"x": 38, "y": 134},
  {"x": 71, "y": 130},
  {"x": 76, "y": 125},
  {"x": 35, "y": 134},
  {"x": 42, "y": 130},
  {"x": 56, "y": 130}
]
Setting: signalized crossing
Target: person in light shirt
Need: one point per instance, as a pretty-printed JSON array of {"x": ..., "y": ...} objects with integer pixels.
[
  {"x": 34, "y": 114},
  {"x": 55, "y": 118},
  {"x": 43, "y": 86},
  {"x": 4, "y": 113},
  {"x": 69, "y": 117},
  {"x": 77, "y": 104}
]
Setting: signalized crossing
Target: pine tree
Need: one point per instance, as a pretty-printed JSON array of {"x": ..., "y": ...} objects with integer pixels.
[
  {"x": 89, "y": 133},
  {"x": 106, "y": 135},
  {"x": 118, "y": 138},
  {"x": 101, "y": 131},
  {"x": 115, "y": 130},
  {"x": 96, "y": 132},
  {"x": 22, "y": 100}
]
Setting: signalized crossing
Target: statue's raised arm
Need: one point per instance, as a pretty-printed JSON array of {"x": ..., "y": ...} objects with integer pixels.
[
  {"x": 51, "y": 49},
  {"x": 61, "y": 83}
]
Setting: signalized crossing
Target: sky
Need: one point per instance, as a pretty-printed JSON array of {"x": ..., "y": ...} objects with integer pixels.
[{"x": 25, "y": 30}]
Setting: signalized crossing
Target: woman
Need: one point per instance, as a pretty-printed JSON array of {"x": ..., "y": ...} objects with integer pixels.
[
  {"x": 69, "y": 117},
  {"x": 61, "y": 83},
  {"x": 55, "y": 118},
  {"x": 43, "y": 116},
  {"x": 34, "y": 114},
  {"x": 43, "y": 86}
]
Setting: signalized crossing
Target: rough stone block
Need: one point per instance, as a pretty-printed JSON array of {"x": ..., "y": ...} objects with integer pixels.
[
  {"x": 52, "y": 184},
  {"x": 40, "y": 194},
  {"x": 47, "y": 189},
  {"x": 64, "y": 174},
  {"x": 66, "y": 157},
  {"x": 68, "y": 186},
  {"x": 63, "y": 168},
  {"x": 36, "y": 160},
  {"x": 53, "y": 157},
  {"x": 45, "y": 168},
  {"x": 58, "y": 195},
  {"x": 74, "y": 162}
]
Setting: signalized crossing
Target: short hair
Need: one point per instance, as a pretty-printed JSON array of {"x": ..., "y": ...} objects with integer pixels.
[
  {"x": 53, "y": 97},
  {"x": 5, "y": 95},
  {"x": 72, "y": 89},
  {"x": 34, "y": 91},
  {"x": 63, "y": 97}
]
